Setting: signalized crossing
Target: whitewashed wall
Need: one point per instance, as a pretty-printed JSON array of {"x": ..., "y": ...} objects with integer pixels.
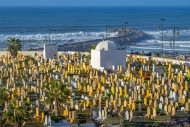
[
  {"x": 106, "y": 59},
  {"x": 50, "y": 51},
  {"x": 113, "y": 57},
  {"x": 95, "y": 59}
]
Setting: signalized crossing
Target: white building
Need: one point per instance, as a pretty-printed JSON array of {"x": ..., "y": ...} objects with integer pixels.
[
  {"x": 50, "y": 51},
  {"x": 107, "y": 56}
]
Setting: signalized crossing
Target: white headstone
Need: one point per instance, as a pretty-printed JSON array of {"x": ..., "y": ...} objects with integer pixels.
[
  {"x": 49, "y": 121},
  {"x": 153, "y": 68},
  {"x": 127, "y": 115},
  {"x": 46, "y": 121},
  {"x": 176, "y": 71},
  {"x": 95, "y": 114},
  {"x": 161, "y": 100},
  {"x": 185, "y": 92},
  {"x": 157, "y": 75},
  {"x": 175, "y": 96},
  {"x": 182, "y": 109},
  {"x": 37, "y": 103},
  {"x": 103, "y": 114},
  {"x": 160, "y": 106},
  {"x": 56, "y": 77},
  {"x": 122, "y": 84},
  {"x": 76, "y": 107},
  {"x": 99, "y": 114},
  {"x": 171, "y": 94}
]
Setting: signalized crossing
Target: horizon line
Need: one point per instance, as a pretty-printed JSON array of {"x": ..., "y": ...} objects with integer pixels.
[{"x": 94, "y": 6}]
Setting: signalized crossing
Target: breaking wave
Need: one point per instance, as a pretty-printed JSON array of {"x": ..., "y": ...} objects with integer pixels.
[
  {"x": 182, "y": 42},
  {"x": 59, "y": 36}
]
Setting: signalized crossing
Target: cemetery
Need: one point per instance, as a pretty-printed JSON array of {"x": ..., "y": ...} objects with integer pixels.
[{"x": 68, "y": 91}]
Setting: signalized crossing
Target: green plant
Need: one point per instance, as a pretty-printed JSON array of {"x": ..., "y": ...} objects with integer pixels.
[
  {"x": 93, "y": 46},
  {"x": 157, "y": 109},
  {"x": 139, "y": 101},
  {"x": 18, "y": 114},
  {"x": 83, "y": 116},
  {"x": 4, "y": 80},
  {"x": 122, "y": 122},
  {"x": 57, "y": 94},
  {"x": 57, "y": 118},
  {"x": 14, "y": 45},
  {"x": 3, "y": 96}
]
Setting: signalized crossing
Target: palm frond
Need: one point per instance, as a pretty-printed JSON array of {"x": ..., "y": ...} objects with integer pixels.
[{"x": 14, "y": 45}]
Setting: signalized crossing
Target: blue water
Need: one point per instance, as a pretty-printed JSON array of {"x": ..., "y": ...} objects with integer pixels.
[{"x": 75, "y": 24}]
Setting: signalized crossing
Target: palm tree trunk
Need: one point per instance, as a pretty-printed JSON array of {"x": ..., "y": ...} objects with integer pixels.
[
  {"x": 59, "y": 109},
  {"x": 56, "y": 108}
]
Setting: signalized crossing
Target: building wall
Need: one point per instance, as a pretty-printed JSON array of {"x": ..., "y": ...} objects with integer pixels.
[
  {"x": 95, "y": 59},
  {"x": 22, "y": 52},
  {"x": 113, "y": 57},
  {"x": 50, "y": 51},
  {"x": 106, "y": 59},
  {"x": 174, "y": 61}
]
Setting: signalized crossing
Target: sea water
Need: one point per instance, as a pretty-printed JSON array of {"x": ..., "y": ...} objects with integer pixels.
[{"x": 37, "y": 25}]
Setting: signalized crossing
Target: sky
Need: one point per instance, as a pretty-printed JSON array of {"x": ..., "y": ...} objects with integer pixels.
[{"x": 94, "y": 2}]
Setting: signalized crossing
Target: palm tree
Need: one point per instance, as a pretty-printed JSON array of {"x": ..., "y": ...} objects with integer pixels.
[
  {"x": 14, "y": 45},
  {"x": 3, "y": 99},
  {"x": 93, "y": 46},
  {"x": 3, "y": 96},
  {"x": 122, "y": 122},
  {"x": 18, "y": 114},
  {"x": 57, "y": 94}
]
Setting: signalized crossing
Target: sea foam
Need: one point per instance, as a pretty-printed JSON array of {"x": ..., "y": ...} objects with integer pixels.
[{"x": 60, "y": 36}]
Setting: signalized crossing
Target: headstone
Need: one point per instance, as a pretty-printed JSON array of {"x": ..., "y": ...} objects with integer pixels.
[
  {"x": 148, "y": 114},
  {"x": 173, "y": 111},
  {"x": 95, "y": 114},
  {"x": 127, "y": 116},
  {"x": 160, "y": 106},
  {"x": 186, "y": 107},
  {"x": 154, "y": 112}
]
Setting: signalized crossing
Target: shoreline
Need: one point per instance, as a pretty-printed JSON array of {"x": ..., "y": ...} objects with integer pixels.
[{"x": 132, "y": 36}]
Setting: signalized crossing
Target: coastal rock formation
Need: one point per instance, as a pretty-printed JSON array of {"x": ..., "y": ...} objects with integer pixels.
[{"x": 132, "y": 36}]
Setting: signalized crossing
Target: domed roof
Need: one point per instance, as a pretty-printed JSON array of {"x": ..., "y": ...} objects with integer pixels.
[{"x": 106, "y": 45}]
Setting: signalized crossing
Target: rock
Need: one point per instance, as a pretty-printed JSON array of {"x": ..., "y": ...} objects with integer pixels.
[{"x": 133, "y": 36}]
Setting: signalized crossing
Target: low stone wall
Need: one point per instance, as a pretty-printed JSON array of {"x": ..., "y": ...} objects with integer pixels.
[
  {"x": 40, "y": 52},
  {"x": 174, "y": 61},
  {"x": 23, "y": 52}
]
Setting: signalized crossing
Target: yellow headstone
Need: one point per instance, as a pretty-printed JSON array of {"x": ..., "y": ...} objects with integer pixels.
[{"x": 37, "y": 111}]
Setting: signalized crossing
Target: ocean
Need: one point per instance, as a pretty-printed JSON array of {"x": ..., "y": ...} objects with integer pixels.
[{"x": 33, "y": 25}]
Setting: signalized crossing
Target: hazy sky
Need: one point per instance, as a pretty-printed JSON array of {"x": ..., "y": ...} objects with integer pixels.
[{"x": 94, "y": 2}]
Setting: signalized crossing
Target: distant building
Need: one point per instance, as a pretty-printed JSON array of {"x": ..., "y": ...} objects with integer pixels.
[
  {"x": 50, "y": 51},
  {"x": 107, "y": 56}
]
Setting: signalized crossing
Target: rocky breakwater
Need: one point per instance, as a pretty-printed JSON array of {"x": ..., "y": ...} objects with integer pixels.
[
  {"x": 123, "y": 39},
  {"x": 132, "y": 36}
]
